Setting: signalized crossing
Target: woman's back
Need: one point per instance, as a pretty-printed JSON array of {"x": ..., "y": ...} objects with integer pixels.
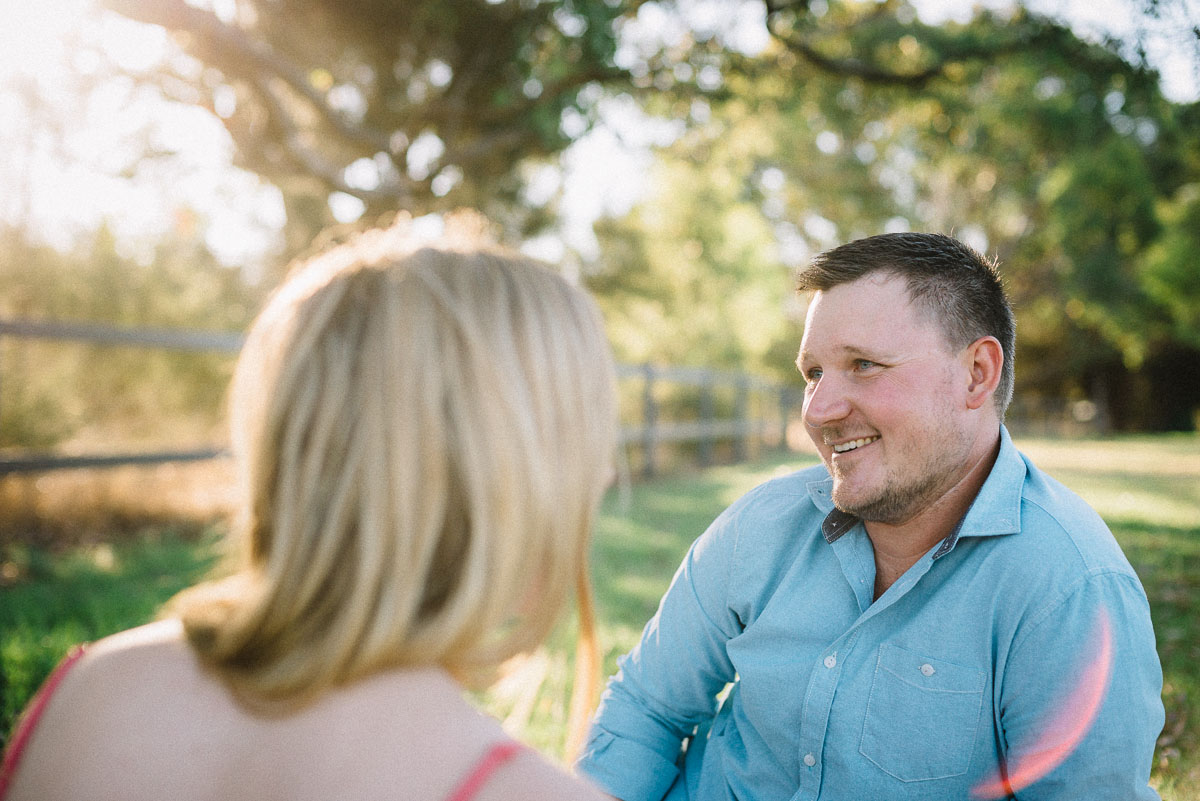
[{"x": 138, "y": 718}]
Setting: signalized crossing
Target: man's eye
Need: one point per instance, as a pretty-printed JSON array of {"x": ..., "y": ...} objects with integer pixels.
[
  {"x": 864, "y": 364},
  {"x": 813, "y": 375}
]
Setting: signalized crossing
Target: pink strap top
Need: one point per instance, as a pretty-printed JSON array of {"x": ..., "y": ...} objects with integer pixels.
[
  {"x": 24, "y": 728},
  {"x": 492, "y": 760}
]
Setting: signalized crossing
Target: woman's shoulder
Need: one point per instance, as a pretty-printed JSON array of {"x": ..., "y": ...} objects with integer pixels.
[
  {"x": 157, "y": 641},
  {"x": 116, "y": 658},
  {"x": 168, "y": 631},
  {"x": 437, "y": 727},
  {"x": 530, "y": 775},
  {"x": 134, "y": 661},
  {"x": 95, "y": 701},
  {"x": 143, "y": 692}
]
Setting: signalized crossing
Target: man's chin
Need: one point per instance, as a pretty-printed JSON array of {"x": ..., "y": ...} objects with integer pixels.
[
  {"x": 877, "y": 509},
  {"x": 849, "y": 503}
]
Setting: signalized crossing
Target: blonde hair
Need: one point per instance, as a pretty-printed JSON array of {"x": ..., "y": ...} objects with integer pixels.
[{"x": 423, "y": 437}]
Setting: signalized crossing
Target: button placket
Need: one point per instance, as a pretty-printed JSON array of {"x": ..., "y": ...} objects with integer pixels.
[{"x": 818, "y": 702}]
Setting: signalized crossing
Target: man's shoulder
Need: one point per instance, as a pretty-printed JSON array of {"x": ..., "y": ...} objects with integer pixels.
[
  {"x": 759, "y": 538},
  {"x": 1062, "y": 527},
  {"x": 787, "y": 482},
  {"x": 787, "y": 492},
  {"x": 777, "y": 513}
]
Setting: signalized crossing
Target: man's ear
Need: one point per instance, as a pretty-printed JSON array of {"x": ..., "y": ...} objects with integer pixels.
[{"x": 984, "y": 359}]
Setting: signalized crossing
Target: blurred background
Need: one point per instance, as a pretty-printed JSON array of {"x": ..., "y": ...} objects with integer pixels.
[{"x": 164, "y": 161}]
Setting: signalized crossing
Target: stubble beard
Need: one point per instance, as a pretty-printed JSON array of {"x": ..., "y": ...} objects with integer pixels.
[
  {"x": 898, "y": 500},
  {"x": 893, "y": 503}
]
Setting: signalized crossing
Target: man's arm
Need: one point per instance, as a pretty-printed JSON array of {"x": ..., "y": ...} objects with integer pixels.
[
  {"x": 667, "y": 685},
  {"x": 1082, "y": 704}
]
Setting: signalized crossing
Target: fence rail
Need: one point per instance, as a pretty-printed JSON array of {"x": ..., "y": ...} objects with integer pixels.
[
  {"x": 168, "y": 338},
  {"x": 38, "y": 463},
  {"x": 749, "y": 423}
]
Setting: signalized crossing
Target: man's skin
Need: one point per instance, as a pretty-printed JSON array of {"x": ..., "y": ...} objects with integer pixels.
[{"x": 881, "y": 374}]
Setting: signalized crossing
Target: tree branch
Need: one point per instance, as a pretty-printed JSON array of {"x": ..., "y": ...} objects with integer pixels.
[
  {"x": 248, "y": 57},
  {"x": 872, "y": 73},
  {"x": 561, "y": 86},
  {"x": 395, "y": 192}
]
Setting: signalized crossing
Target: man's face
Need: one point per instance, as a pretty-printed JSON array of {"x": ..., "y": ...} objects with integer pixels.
[{"x": 885, "y": 401}]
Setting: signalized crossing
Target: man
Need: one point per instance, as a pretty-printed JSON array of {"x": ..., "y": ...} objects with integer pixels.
[{"x": 925, "y": 616}]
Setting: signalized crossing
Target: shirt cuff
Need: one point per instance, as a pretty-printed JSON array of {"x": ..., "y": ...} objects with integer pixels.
[{"x": 626, "y": 769}]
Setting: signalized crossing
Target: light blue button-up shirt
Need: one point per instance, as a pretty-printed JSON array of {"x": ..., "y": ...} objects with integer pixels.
[{"x": 1019, "y": 648}]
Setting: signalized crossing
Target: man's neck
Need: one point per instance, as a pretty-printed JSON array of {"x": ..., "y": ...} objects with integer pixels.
[{"x": 899, "y": 546}]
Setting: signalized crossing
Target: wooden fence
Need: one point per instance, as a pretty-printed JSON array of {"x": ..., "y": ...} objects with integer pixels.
[{"x": 735, "y": 411}]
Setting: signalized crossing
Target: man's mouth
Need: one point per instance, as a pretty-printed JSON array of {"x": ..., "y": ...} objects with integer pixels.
[{"x": 853, "y": 444}]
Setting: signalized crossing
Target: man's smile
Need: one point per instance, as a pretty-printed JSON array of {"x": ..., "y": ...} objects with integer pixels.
[{"x": 854, "y": 444}]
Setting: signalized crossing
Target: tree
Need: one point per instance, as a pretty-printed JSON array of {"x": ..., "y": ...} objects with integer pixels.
[
  {"x": 1063, "y": 152},
  {"x": 420, "y": 106},
  {"x": 425, "y": 105},
  {"x": 1064, "y": 160}
]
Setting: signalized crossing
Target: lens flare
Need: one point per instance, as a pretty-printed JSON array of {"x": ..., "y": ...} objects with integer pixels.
[{"x": 1074, "y": 717}]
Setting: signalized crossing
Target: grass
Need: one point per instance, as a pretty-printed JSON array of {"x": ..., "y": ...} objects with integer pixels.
[
  {"x": 1147, "y": 488},
  {"x": 55, "y": 601}
]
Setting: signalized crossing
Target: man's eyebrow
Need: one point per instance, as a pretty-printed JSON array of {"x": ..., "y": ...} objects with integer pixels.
[{"x": 857, "y": 352}]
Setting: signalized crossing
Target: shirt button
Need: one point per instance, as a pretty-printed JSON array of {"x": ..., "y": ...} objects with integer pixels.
[
  {"x": 831, "y": 660},
  {"x": 810, "y": 760},
  {"x": 927, "y": 669}
]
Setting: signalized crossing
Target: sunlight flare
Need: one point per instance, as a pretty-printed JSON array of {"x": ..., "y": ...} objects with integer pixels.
[{"x": 1075, "y": 715}]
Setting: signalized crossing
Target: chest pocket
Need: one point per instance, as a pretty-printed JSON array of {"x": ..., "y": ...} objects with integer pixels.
[{"x": 922, "y": 715}]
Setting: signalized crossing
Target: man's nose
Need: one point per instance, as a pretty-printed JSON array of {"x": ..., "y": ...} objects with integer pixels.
[{"x": 825, "y": 402}]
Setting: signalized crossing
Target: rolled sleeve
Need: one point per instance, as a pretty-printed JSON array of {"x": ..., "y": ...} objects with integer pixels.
[
  {"x": 668, "y": 683},
  {"x": 607, "y": 759}
]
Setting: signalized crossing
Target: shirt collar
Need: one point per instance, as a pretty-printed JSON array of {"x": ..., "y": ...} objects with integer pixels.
[{"x": 996, "y": 509}]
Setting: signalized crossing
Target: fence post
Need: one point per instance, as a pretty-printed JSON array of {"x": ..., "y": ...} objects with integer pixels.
[
  {"x": 742, "y": 414},
  {"x": 649, "y": 419},
  {"x": 785, "y": 413},
  {"x": 707, "y": 415}
]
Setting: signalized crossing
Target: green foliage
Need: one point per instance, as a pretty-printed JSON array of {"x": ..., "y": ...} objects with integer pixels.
[
  {"x": 50, "y": 602},
  {"x": 54, "y": 391},
  {"x": 1059, "y": 155},
  {"x": 1169, "y": 273},
  {"x": 692, "y": 279}
]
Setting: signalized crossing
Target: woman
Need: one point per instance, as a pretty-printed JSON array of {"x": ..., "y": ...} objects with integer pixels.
[{"x": 422, "y": 438}]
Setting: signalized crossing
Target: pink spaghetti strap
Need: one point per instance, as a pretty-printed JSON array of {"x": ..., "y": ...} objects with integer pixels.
[
  {"x": 495, "y": 757},
  {"x": 27, "y": 722}
]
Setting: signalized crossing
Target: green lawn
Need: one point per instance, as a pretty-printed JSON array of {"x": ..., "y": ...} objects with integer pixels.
[{"x": 1147, "y": 488}]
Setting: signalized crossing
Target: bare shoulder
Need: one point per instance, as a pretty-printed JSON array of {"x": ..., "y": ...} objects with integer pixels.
[
  {"x": 531, "y": 776},
  {"x": 122, "y": 658},
  {"x": 167, "y": 631},
  {"x": 134, "y": 661},
  {"x": 96, "y": 703}
]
